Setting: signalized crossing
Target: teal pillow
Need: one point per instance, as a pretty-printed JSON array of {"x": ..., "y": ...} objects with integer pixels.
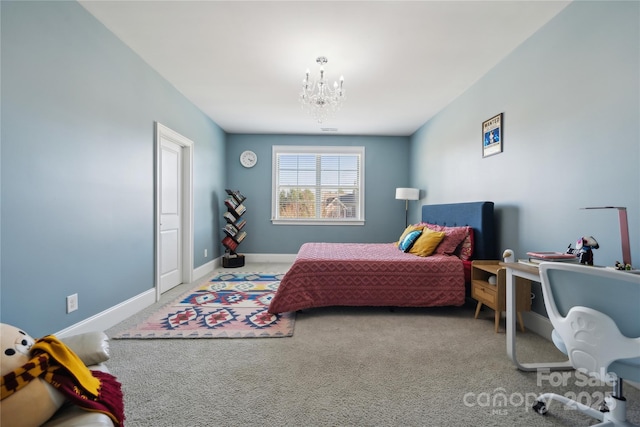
[{"x": 408, "y": 240}]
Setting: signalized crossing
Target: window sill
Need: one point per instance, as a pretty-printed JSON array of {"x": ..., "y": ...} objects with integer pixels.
[{"x": 316, "y": 222}]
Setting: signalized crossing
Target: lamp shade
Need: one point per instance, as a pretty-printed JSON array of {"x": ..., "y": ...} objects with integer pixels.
[{"x": 407, "y": 193}]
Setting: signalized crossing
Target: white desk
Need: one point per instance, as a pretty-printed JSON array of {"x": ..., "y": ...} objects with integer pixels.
[{"x": 528, "y": 272}]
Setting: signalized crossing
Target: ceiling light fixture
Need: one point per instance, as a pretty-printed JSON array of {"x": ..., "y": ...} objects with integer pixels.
[{"x": 317, "y": 97}]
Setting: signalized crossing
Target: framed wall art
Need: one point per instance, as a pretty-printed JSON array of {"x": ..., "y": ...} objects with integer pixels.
[{"x": 492, "y": 136}]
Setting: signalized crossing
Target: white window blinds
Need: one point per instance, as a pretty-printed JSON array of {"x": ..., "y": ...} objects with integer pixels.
[{"x": 320, "y": 185}]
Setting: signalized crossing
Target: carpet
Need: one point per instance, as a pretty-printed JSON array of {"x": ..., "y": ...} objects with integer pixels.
[{"x": 227, "y": 305}]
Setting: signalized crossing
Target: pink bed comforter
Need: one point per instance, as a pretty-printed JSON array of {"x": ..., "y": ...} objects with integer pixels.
[{"x": 368, "y": 274}]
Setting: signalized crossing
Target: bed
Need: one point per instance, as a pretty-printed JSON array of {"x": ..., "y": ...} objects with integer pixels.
[{"x": 380, "y": 274}]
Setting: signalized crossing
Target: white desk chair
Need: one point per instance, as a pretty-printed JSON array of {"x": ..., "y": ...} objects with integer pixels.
[{"x": 595, "y": 313}]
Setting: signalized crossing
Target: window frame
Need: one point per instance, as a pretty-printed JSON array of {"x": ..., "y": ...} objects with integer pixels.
[{"x": 318, "y": 151}]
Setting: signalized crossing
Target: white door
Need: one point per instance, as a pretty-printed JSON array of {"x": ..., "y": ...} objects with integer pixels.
[{"x": 170, "y": 215}]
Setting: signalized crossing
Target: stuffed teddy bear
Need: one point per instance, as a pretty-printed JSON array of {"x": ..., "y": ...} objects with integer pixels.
[
  {"x": 39, "y": 376},
  {"x": 36, "y": 402}
]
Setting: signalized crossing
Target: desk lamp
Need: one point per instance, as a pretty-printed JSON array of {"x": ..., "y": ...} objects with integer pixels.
[
  {"x": 624, "y": 231},
  {"x": 407, "y": 194}
]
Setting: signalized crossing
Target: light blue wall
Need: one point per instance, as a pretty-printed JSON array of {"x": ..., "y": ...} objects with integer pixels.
[
  {"x": 385, "y": 160},
  {"x": 78, "y": 109},
  {"x": 78, "y": 113},
  {"x": 571, "y": 102}
]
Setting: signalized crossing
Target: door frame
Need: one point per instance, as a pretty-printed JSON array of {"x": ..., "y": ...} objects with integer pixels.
[{"x": 186, "y": 225}]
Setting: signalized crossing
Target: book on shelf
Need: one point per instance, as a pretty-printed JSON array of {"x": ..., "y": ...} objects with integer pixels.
[
  {"x": 231, "y": 202},
  {"x": 241, "y": 223},
  {"x": 236, "y": 195},
  {"x": 230, "y": 229},
  {"x": 229, "y": 243},
  {"x": 240, "y": 209},
  {"x": 229, "y": 216},
  {"x": 240, "y": 237},
  {"x": 239, "y": 197}
]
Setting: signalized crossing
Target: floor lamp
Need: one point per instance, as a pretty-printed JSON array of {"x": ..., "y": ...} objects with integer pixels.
[
  {"x": 407, "y": 194},
  {"x": 624, "y": 231}
]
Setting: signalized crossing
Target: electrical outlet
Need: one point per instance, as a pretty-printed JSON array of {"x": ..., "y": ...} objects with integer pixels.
[
  {"x": 205, "y": 253},
  {"x": 72, "y": 303}
]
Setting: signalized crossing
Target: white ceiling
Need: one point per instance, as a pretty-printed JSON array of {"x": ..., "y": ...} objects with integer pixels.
[{"x": 242, "y": 62}]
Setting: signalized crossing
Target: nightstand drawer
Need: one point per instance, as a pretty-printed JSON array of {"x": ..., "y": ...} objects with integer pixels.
[{"x": 484, "y": 292}]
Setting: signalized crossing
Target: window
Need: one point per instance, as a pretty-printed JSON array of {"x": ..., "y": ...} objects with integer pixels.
[{"x": 318, "y": 185}]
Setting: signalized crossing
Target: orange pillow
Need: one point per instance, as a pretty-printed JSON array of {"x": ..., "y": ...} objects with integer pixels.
[{"x": 427, "y": 242}]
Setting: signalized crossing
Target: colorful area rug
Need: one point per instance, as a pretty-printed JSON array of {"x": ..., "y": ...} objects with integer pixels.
[{"x": 228, "y": 305}]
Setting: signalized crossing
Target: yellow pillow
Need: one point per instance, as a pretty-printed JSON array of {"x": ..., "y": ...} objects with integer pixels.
[
  {"x": 427, "y": 242},
  {"x": 408, "y": 230}
]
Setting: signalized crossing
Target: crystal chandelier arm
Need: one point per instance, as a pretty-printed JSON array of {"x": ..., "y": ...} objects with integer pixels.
[
  {"x": 321, "y": 89},
  {"x": 305, "y": 81}
]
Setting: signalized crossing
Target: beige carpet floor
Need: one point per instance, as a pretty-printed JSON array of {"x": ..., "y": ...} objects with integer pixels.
[{"x": 348, "y": 367}]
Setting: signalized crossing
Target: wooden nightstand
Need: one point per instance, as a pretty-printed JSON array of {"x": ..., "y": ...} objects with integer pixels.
[{"x": 494, "y": 296}]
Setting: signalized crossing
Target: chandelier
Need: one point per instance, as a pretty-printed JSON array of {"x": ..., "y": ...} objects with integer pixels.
[{"x": 317, "y": 97}]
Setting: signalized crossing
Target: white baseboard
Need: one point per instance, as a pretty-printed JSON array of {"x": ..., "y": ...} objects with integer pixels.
[
  {"x": 116, "y": 314},
  {"x": 538, "y": 324},
  {"x": 270, "y": 258},
  {"x": 207, "y": 268},
  {"x": 111, "y": 316}
]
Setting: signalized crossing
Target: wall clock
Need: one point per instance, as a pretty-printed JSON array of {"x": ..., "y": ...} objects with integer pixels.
[{"x": 248, "y": 159}]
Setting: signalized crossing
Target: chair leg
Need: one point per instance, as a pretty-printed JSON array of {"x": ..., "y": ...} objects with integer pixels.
[
  {"x": 541, "y": 406},
  {"x": 616, "y": 406},
  {"x": 617, "y": 410},
  {"x": 616, "y": 416}
]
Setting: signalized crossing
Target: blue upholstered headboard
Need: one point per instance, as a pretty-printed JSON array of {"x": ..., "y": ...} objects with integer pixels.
[{"x": 478, "y": 215}]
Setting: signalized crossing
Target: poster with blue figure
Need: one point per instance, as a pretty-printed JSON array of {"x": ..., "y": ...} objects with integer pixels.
[{"x": 492, "y": 136}]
